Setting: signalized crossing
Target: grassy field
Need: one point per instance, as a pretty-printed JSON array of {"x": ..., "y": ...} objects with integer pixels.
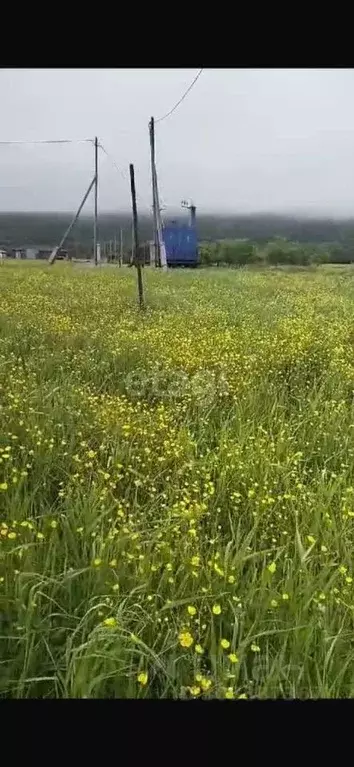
[{"x": 177, "y": 486}]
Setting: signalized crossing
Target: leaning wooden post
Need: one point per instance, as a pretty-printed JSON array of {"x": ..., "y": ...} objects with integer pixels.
[{"x": 54, "y": 252}]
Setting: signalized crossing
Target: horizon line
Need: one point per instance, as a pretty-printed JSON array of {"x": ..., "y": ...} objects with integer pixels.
[{"x": 297, "y": 215}]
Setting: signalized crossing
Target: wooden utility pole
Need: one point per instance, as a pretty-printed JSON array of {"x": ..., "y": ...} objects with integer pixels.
[
  {"x": 121, "y": 248},
  {"x": 153, "y": 184},
  {"x": 131, "y": 259},
  {"x": 95, "y": 233},
  {"x": 136, "y": 256},
  {"x": 159, "y": 245}
]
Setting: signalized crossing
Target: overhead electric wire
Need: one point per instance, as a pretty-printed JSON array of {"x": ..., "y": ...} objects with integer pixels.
[
  {"x": 119, "y": 170},
  {"x": 181, "y": 99},
  {"x": 122, "y": 173},
  {"x": 50, "y": 141}
]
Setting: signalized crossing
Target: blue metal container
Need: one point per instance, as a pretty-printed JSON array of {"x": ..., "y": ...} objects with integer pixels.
[{"x": 181, "y": 245}]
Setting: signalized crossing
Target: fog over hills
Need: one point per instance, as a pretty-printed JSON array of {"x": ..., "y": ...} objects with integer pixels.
[{"x": 17, "y": 229}]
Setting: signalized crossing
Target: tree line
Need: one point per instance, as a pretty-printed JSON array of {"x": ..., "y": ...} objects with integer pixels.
[
  {"x": 37, "y": 228},
  {"x": 278, "y": 251},
  {"x": 222, "y": 238}
]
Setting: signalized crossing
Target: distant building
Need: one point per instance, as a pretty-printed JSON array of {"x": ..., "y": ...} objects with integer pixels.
[
  {"x": 44, "y": 253},
  {"x": 3, "y": 254},
  {"x": 23, "y": 252},
  {"x": 40, "y": 251}
]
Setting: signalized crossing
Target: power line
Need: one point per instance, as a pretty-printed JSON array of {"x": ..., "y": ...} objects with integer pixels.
[
  {"x": 50, "y": 141},
  {"x": 119, "y": 170},
  {"x": 181, "y": 99},
  {"x": 122, "y": 173}
]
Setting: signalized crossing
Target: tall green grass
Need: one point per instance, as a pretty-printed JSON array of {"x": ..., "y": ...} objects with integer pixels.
[{"x": 176, "y": 487}]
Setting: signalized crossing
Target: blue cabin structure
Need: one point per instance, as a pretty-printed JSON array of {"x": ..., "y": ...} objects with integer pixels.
[{"x": 181, "y": 245}]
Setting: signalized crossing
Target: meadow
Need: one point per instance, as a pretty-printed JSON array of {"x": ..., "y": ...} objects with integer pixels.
[{"x": 176, "y": 485}]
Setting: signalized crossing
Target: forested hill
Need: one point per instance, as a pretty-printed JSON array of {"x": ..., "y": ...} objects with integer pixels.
[{"x": 17, "y": 229}]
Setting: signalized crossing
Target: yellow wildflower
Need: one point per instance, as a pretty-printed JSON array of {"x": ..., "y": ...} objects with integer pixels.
[
  {"x": 255, "y": 648},
  {"x": 110, "y": 622},
  {"x": 185, "y": 639},
  {"x": 229, "y": 693},
  {"x": 194, "y": 690}
]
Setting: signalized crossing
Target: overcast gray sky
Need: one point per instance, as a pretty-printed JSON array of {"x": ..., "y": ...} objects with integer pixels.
[{"x": 243, "y": 140}]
